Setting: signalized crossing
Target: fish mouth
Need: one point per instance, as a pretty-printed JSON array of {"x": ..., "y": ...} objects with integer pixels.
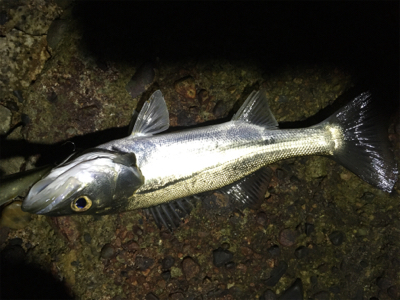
[{"x": 47, "y": 195}]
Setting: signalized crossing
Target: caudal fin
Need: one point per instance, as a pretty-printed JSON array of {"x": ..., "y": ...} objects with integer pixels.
[{"x": 364, "y": 149}]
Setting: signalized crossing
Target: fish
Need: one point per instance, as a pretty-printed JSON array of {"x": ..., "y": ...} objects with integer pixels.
[
  {"x": 16, "y": 184},
  {"x": 160, "y": 172}
]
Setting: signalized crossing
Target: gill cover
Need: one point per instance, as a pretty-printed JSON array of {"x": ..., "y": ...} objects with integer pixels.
[{"x": 97, "y": 181}]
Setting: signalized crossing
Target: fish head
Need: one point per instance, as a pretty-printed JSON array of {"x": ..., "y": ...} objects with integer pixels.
[{"x": 96, "y": 182}]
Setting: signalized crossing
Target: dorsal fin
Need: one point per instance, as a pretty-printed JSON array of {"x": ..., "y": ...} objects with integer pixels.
[
  {"x": 153, "y": 117},
  {"x": 249, "y": 190},
  {"x": 255, "y": 110}
]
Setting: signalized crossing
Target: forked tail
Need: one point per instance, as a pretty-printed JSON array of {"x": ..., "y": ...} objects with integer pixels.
[{"x": 364, "y": 149}]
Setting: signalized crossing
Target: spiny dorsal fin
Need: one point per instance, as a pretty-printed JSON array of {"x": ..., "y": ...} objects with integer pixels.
[
  {"x": 153, "y": 117},
  {"x": 171, "y": 214},
  {"x": 249, "y": 190},
  {"x": 255, "y": 110}
]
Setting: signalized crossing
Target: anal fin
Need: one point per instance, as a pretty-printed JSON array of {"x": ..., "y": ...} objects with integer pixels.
[
  {"x": 171, "y": 214},
  {"x": 250, "y": 190}
]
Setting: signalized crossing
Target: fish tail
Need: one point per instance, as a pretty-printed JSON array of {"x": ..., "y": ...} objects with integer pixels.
[{"x": 364, "y": 147}]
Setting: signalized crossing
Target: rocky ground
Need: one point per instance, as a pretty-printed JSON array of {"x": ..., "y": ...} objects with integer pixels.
[{"x": 320, "y": 233}]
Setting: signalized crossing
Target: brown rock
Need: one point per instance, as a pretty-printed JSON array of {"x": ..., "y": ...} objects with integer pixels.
[
  {"x": 287, "y": 237},
  {"x": 190, "y": 268},
  {"x": 186, "y": 87}
]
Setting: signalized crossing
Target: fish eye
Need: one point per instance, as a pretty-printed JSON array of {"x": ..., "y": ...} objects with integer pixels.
[{"x": 80, "y": 204}]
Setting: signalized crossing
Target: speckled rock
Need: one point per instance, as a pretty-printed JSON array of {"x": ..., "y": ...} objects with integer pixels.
[
  {"x": 186, "y": 87},
  {"x": 24, "y": 56},
  {"x": 5, "y": 117},
  {"x": 13, "y": 217}
]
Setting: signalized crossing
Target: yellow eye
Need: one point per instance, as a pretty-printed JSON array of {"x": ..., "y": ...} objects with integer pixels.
[{"x": 80, "y": 204}]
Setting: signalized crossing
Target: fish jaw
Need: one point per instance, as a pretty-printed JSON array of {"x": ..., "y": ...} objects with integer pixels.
[{"x": 44, "y": 196}]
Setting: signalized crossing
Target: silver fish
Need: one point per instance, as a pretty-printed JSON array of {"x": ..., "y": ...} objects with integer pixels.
[{"x": 156, "y": 171}]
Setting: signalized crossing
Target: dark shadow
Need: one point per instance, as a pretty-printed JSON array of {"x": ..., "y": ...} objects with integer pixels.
[{"x": 19, "y": 280}]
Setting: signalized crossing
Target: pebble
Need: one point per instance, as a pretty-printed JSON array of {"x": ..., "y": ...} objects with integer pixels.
[
  {"x": 336, "y": 238},
  {"x": 13, "y": 217},
  {"x": 294, "y": 292},
  {"x": 268, "y": 295},
  {"x": 151, "y": 296},
  {"x": 274, "y": 251},
  {"x": 277, "y": 273},
  {"x": 220, "y": 109},
  {"x": 87, "y": 237},
  {"x": 321, "y": 296},
  {"x": 287, "y": 237},
  {"x": 166, "y": 275},
  {"x": 107, "y": 251},
  {"x": 186, "y": 87},
  {"x": 167, "y": 262},
  {"x": 190, "y": 268},
  {"x": 309, "y": 228},
  {"x": 261, "y": 218},
  {"x": 221, "y": 257},
  {"x": 301, "y": 252}
]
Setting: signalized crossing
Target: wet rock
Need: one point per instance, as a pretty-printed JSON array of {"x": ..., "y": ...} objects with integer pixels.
[
  {"x": 261, "y": 218},
  {"x": 13, "y": 217},
  {"x": 143, "y": 263},
  {"x": 12, "y": 255},
  {"x": 186, "y": 87},
  {"x": 321, "y": 296},
  {"x": 294, "y": 292},
  {"x": 151, "y": 296},
  {"x": 56, "y": 32},
  {"x": 301, "y": 252},
  {"x": 190, "y": 268},
  {"x": 141, "y": 80},
  {"x": 287, "y": 237},
  {"x": 268, "y": 295},
  {"x": 5, "y": 119},
  {"x": 274, "y": 251},
  {"x": 221, "y": 257},
  {"x": 336, "y": 238},
  {"x": 167, "y": 262},
  {"x": 107, "y": 251},
  {"x": 277, "y": 273},
  {"x": 309, "y": 228}
]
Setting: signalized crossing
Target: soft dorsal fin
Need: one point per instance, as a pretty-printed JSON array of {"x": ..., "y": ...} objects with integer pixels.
[
  {"x": 250, "y": 190},
  {"x": 153, "y": 117},
  {"x": 255, "y": 110}
]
